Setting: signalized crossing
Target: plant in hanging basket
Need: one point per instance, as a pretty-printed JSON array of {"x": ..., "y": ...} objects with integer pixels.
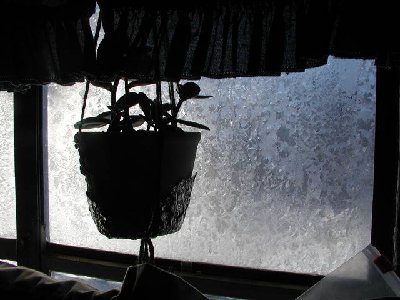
[{"x": 139, "y": 171}]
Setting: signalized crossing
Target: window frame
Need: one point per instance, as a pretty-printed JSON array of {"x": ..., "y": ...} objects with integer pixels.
[{"x": 32, "y": 248}]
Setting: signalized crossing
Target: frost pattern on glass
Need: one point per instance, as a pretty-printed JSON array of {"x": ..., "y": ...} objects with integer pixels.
[
  {"x": 7, "y": 177},
  {"x": 284, "y": 177}
]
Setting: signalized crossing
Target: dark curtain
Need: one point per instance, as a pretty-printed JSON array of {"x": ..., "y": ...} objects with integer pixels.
[
  {"x": 221, "y": 39},
  {"x": 51, "y": 41},
  {"x": 45, "y": 41}
]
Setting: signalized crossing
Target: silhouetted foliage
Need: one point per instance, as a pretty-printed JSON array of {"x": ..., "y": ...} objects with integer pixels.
[{"x": 157, "y": 115}]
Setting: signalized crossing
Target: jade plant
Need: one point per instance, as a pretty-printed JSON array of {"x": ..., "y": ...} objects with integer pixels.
[{"x": 158, "y": 116}]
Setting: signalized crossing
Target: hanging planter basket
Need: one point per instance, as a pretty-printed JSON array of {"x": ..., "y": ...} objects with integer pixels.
[{"x": 138, "y": 184}]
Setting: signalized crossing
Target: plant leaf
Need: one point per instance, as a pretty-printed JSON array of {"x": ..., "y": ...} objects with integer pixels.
[
  {"x": 135, "y": 83},
  {"x": 137, "y": 120},
  {"x": 192, "y": 124},
  {"x": 128, "y": 100},
  {"x": 146, "y": 106},
  {"x": 202, "y": 97},
  {"x": 92, "y": 122},
  {"x": 188, "y": 90},
  {"x": 105, "y": 115}
]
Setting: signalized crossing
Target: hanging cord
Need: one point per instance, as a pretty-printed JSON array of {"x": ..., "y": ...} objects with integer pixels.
[
  {"x": 158, "y": 107},
  {"x": 146, "y": 253},
  {"x": 97, "y": 33},
  {"x": 127, "y": 123},
  {"x": 96, "y": 37},
  {"x": 84, "y": 105},
  {"x": 173, "y": 103},
  {"x": 130, "y": 283}
]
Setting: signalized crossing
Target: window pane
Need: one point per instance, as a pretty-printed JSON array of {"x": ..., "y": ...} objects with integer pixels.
[
  {"x": 284, "y": 176},
  {"x": 7, "y": 177}
]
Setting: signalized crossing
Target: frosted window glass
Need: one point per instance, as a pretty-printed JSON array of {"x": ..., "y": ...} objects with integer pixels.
[
  {"x": 284, "y": 176},
  {"x": 7, "y": 177}
]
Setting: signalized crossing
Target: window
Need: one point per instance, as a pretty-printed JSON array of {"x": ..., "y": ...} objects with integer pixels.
[
  {"x": 284, "y": 183},
  {"x": 7, "y": 177},
  {"x": 285, "y": 175}
]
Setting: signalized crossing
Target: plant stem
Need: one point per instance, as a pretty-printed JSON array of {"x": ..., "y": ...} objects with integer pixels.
[
  {"x": 84, "y": 103},
  {"x": 114, "y": 92},
  {"x": 114, "y": 88},
  {"x": 127, "y": 126},
  {"x": 173, "y": 103},
  {"x": 158, "y": 108}
]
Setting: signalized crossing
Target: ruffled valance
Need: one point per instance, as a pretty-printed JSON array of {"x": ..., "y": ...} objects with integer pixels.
[
  {"x": 51, "y": 41},
  {"x": 45, "y": 41},
  {"x": 221, "y": 39}
]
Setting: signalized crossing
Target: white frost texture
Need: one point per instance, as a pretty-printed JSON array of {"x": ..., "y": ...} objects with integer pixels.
[
  {"x": 7, "y": 177},
  {"x": 284, "y": 176}
]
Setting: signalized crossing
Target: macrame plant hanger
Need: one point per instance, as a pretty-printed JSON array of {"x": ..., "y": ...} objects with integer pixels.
[{"x": 146, "y": 252}]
